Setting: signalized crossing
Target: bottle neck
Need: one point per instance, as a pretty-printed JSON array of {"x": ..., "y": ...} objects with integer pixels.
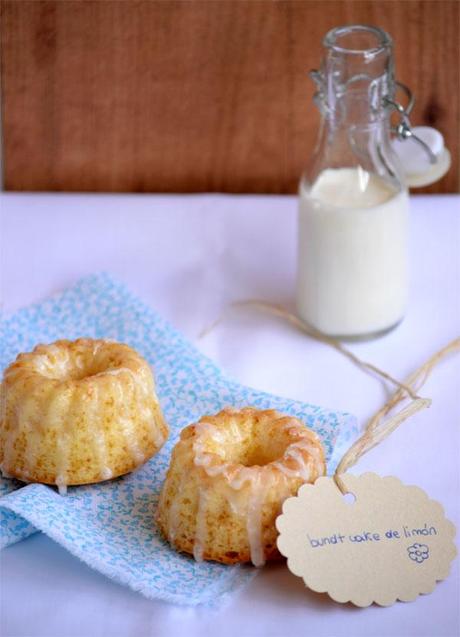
[
  {"x": 354, "y": 84},
  {"x": 353, "y": 141},
  {"x": 358, "y": 108},
  {"x": 349, "y": 138},
  {"x": 356, "y": 77}
]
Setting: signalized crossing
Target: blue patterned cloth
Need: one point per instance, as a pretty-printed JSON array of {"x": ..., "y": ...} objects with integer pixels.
[{"x": 110, "y": 525}]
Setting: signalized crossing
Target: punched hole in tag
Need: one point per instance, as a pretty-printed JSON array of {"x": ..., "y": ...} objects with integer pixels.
[{"x": 349, "y": 498}]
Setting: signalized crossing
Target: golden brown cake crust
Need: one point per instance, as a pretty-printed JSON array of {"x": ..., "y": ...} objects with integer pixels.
[
  {"x": 228, "y": 477},
  {"x": 78, "y": 412}
]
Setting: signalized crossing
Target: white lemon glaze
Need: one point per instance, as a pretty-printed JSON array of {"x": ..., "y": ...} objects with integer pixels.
[
  {"x": 301, "y": 459},
  {"x": 51, "y": 376}
]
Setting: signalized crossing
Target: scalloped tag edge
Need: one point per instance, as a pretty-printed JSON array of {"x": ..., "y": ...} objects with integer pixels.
[{"x": 392, "y": 543}]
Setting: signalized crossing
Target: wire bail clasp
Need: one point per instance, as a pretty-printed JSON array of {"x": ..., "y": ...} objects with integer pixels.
[{"x": 403, "y": 130}]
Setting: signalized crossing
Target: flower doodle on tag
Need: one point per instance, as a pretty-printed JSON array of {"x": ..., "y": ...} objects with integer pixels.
[{"x": 418, "y": 552}]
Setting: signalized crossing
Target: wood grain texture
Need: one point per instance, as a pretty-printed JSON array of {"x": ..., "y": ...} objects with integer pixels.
[{"x": 195, "y": 95}]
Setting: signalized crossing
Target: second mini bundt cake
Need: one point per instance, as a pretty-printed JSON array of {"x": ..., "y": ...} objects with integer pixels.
[
  {"x": 77, "y": 412},
  {"x": 228, "y": 478}
]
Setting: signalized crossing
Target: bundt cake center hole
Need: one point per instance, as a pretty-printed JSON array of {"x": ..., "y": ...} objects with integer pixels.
[
  {"x": 88, "y": 372},
  {"x": 80, "y": 372},
  {"x": 78, "y": 367},
  {"x": 261, "y": 456},
  {"x": 252, "y": 442}
]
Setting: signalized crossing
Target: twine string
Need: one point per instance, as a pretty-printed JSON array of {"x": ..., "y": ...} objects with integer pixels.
[
  {"x": 378, "y": 427},
  {"x": 281, "y": 312}
]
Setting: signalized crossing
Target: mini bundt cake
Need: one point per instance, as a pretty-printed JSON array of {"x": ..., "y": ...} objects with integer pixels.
[
  {"x": 77, "y": 412},
  {"x": 228, "y": 478}
]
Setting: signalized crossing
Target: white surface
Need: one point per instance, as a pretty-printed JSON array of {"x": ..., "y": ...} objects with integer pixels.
[{"x": 188, "y": 257}]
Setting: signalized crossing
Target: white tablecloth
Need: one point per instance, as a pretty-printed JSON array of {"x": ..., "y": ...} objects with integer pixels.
[{"x": 189, "y": 256}]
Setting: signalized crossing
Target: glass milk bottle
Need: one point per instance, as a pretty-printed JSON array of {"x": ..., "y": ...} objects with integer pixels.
[{"x": 353, "y": 210}]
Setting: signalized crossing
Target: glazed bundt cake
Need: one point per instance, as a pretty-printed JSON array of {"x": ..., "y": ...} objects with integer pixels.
[
  {"x": 77, "y": 412},
  {"x": 228, "y": 478}
]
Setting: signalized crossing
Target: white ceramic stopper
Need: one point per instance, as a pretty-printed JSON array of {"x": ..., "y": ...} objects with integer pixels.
[{"x": 418, "y": 169}]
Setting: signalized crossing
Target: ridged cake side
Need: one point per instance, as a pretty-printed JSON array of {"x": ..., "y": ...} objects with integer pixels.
[
  {"x": 78, "y": 412},
  {"x": 228, "y": 477}
]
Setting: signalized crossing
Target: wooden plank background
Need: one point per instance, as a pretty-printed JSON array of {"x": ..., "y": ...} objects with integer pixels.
[{"x": 195, "y": 95}]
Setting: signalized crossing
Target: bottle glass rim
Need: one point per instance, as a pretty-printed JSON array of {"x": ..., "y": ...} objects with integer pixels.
[{"x": 376, "y": 40}]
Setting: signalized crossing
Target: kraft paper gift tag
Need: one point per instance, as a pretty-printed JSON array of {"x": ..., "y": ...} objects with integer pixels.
[
  {"x": 365, "y": 539},
  {"x": 392, "y": 543}
]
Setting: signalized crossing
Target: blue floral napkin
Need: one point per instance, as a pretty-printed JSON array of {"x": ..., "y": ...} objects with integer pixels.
[{"x": 110, "y": 526}]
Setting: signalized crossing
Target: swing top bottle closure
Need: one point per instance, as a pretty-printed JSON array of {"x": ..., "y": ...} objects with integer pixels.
[{"x": 353, "y": 199}]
